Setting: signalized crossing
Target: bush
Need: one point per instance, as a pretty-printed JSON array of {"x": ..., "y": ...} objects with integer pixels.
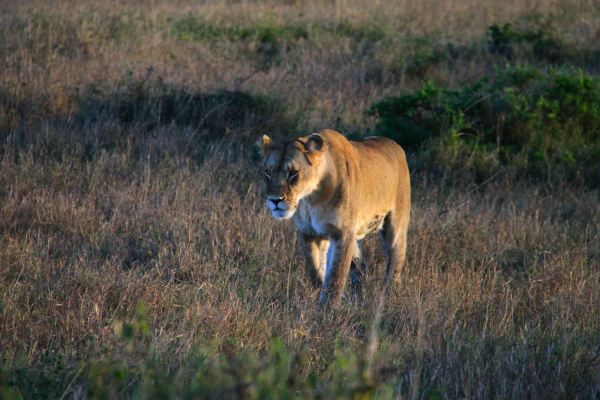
[{"x": 538, "y": 122}]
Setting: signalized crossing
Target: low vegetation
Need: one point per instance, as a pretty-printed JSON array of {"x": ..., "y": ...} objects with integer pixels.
[
  {"x": 136, "y": 259},
  {"x": 532, "y": 121}
]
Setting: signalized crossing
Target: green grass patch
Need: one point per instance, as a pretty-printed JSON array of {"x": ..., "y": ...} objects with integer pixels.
[
  {"x": 267, "y": 43},
  {"x": 513, "y": 42},
  {"x": 193, "y": 28}
]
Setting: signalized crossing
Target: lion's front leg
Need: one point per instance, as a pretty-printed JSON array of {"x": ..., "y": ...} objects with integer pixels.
[
  {"x": 315, "y": 256},
  {"x": 339, "y": 258}
]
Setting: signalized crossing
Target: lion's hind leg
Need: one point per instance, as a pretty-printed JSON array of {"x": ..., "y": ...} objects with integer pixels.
[
  {"x": 358, "y": 270},
  {"x": 393, "y": 237}
]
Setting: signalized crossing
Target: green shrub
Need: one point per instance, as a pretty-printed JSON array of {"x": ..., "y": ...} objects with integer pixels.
[{"x": 536, "y": 121}]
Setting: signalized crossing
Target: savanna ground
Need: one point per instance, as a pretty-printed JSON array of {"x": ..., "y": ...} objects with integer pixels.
[{"x": 136, "y": 257}]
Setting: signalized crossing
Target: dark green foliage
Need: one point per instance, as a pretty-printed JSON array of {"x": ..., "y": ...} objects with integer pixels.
[
  {"x": 413, "y": 118},
  {"x": 539, "y": 122}
]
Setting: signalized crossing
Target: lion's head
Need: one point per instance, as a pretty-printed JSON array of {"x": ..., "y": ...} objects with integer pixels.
[{"x": 291, "y": 172}]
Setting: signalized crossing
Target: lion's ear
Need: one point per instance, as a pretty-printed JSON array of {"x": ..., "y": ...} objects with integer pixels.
[
  {"x": 314, "y": 142},
  {"x": 264, "y": 145}
]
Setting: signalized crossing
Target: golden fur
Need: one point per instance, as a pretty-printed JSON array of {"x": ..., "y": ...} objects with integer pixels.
[{"x": 337, "y": 191}]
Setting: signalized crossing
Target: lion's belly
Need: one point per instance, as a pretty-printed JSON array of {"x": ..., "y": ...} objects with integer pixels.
[
  {"x": 373, "y": 224},
  {"x": 310, "y": 222}
]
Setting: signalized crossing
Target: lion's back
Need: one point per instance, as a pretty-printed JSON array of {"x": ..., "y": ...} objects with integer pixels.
[{"x": 382, "y": 179}]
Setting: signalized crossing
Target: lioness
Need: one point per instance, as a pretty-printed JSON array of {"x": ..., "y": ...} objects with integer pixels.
[{"x": 337, "y": 191}]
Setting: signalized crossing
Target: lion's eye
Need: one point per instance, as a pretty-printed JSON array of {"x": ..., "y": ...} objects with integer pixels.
[
  {"x": 267, "y": 174},
  {"x": 293, "y": 176}
]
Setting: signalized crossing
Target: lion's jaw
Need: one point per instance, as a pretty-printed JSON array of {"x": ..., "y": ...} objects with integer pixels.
[{"x": 282, "y": 210}]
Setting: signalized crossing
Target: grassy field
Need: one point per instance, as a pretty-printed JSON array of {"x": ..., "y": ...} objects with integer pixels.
[{"x": 136, "y": 256}]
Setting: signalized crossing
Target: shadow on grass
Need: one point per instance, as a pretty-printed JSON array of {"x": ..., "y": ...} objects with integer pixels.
[{"x": 135, "y": 114}]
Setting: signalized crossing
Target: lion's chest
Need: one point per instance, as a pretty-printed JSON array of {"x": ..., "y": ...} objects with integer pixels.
[{"x": 309, "y": 221}]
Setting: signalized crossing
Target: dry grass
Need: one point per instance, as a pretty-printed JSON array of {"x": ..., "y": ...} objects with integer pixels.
[{"x": 103, "y": 206}]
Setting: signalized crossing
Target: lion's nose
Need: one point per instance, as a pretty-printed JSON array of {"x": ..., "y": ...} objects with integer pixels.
[{"x": 275, "y": 200}]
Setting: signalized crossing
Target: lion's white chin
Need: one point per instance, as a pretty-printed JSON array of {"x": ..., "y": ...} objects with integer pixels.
[{"x": 283, "y": 214}]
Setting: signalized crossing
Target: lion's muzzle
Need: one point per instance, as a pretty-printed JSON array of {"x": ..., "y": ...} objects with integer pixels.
[{"x": 280, "y": 209}]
